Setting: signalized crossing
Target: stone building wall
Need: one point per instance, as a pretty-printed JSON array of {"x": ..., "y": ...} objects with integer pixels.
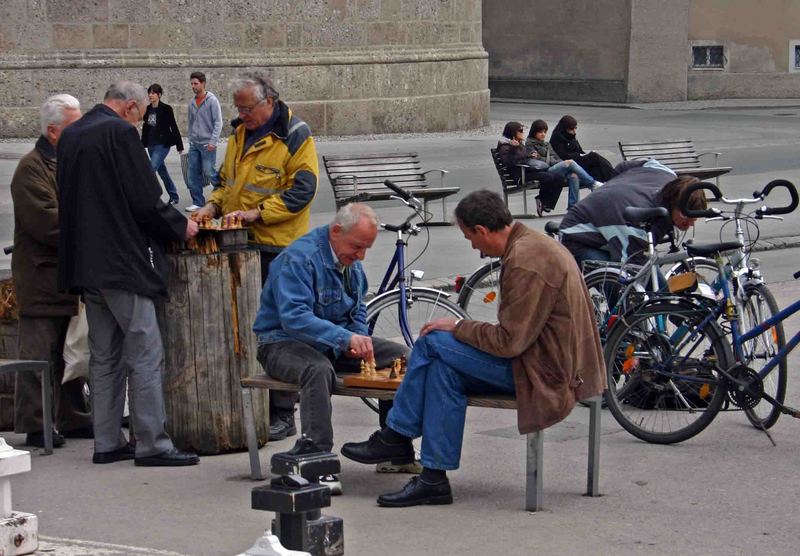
[{"x": 345, "y": 66}]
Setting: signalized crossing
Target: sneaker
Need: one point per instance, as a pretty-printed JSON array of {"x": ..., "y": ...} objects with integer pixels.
[
  {"x": 282, "y": 426},
  {"x": 333, "y": 483},
  {"x": 192, "y": 208},
  {"x": 597, "y": 184},
  {"x": 36, "y": 439},
  {"x": 539, "y": 206}
]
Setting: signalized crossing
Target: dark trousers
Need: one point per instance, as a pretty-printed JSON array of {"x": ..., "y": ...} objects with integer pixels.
[
  {"x": 299, "y": 363},
  {"x": 280, "y": 403},
  {"x": 550, "y": 186},
  {"x": 600, "y": 168},
  {"x": 42, "y": 338}
]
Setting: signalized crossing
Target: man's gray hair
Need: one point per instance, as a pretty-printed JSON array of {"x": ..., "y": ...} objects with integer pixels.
[
  {"x": 127, "y": 90},
  {"x": 261, "y": 83},
  {"x": 52, "y": 112},
  {"x": 350, "y": 215}
]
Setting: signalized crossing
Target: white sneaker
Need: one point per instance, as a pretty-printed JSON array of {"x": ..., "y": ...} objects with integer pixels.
[
  {"x": 192, "y": 208},
  {"x": 597, "y": 184},
  {"x": 333, "y": 483}
]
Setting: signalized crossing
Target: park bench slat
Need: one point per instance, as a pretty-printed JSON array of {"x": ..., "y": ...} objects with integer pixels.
[{"x": 679, "y": 155}]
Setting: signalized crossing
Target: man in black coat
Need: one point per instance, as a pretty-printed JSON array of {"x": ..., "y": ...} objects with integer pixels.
[{"x": 113, "y": 230}]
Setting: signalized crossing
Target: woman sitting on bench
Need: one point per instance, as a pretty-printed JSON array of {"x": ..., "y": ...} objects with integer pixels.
[
  {"x": 512, "y": 151},
  {"x": 576, "y": 176},
  {"x": 564, "y": 141}
]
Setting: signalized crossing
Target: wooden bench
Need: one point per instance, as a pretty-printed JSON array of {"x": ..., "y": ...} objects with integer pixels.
[
  {"x": 512, "y": 185},
  {"x": 679, "y": 155},
  {"x": 535, "y": 441},
  {"x": 360, "y": 178}
]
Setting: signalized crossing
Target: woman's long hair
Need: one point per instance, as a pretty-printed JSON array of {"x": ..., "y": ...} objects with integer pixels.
[
  {"x": 511, "y": 129},
  {"x": 536, "y": 127}
]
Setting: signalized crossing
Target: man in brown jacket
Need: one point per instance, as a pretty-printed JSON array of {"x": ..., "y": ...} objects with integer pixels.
[
  {"x": 44, "y": 313},
  {"x": 544, "y": 348}
]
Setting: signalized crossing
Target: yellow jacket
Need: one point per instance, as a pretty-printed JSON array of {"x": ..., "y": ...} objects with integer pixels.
[{"x": 278, "y": 175}]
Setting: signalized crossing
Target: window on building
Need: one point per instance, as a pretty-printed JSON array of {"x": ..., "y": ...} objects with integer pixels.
[
  {"x": 794, "y": 56},
  {"x": 708, "y": 56}
]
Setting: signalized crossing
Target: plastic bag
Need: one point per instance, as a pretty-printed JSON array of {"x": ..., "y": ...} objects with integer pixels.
[{"x": 76, "y": 347}]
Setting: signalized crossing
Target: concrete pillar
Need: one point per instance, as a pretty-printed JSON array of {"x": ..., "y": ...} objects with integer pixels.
[
  {"x": 18, "y": 531},
  {"x": 657, "y": 60}
]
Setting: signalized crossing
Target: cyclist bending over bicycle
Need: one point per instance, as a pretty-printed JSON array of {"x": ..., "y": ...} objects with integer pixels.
[{"x": 595, "y": 228}]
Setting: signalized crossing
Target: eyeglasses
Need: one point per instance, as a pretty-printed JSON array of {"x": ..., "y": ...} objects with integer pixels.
[{"x": 246, "y": 110}]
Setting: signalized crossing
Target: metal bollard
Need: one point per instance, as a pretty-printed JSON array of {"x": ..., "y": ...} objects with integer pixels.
[{"x": 297, "y": 498}]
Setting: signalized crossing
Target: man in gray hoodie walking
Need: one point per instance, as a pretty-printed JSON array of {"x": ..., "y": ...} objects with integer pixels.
[{"x": 205, "y": 125}]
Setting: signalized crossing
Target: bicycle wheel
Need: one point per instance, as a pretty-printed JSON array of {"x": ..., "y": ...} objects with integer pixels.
[
  {"x": 480, "y": 294},
  {"x": 605, "y": 289},
  {"x": 663, "y": 383},
  {"x": 760, "y": 305},
  {"x": 422, "y": 305}
]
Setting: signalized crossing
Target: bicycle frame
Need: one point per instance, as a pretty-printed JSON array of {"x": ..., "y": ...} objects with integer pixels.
[
  {"x": 739, "y": 340},
  {"x": 395, "y": 278}
]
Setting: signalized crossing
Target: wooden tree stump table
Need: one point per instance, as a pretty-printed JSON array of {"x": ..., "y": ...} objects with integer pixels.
[{"x": 206, "y": 326}]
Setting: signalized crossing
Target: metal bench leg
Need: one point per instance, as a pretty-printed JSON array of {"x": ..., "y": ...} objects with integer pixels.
[
  {"x": 593, "y": 473},
  {"x": 47, "y": 409},
  {"x": 250, "y": 431},
  {"x": 534, "y": 464},
  {"x": 525, "y": 201}
]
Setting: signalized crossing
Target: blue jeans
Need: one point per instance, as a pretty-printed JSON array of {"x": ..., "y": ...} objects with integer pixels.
[
  {"x": 158, "y": 153},
  {"x": 576, "y": 177},
  {"x": 201, "y": 171},
  {"x": 432, "y": 399}
]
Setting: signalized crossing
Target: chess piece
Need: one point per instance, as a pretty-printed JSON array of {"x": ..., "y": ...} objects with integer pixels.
[{"x": 363, "y": 368}]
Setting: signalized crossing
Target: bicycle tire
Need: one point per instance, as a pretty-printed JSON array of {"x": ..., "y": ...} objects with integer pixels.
[
  {"x": 604, "y": 288},
  {"x": 384, "y": 320},
  {"x": 758, "y": 306},
  {"x": 480, "y": 294},
  {"x": 650, "y": 406}
]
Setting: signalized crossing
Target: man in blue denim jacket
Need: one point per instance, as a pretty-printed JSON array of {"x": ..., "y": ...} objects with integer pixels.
[{"x": 312, "y": 319}]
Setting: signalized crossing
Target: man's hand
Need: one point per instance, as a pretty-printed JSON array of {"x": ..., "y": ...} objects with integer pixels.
[
  {"x": 211, "y": 148},
  {"x": 247, "y": 215},
  {"x": 209, "y": 210},
  {"x": 192, "y": 228},
  {"x": 447, "y": 324},
  {"x": 360, "y": 348}
]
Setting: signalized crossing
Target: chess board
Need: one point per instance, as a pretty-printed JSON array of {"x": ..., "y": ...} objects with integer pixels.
[{"x": 381, "y": 380}]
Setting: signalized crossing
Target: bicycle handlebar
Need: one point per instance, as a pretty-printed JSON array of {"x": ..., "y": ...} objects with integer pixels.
[
  {"x": 705, "y": 213},
  {"x": 764, "y": 211},
  {"x": 398, "y": 191}
]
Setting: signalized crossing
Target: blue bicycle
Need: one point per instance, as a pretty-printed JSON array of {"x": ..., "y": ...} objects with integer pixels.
[{"x": 678, "y": 359}]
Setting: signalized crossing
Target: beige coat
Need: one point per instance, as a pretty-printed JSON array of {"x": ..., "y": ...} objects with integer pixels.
[{"x": 546, "y": 326}]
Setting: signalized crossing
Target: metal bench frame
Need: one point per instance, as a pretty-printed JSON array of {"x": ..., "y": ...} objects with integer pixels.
[
  {"x": 535, "y": 441},
  {"x": 26, "y": 365},
  {"x": 679, "y": 155},
  {"x": 360, "y": 178}
]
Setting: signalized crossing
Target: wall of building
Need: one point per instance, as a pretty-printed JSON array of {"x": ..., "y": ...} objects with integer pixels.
[
  {"x": 557, "y": 49},
  {"x": 756, "y": 44},
  {"x": 345, "y": 66}
]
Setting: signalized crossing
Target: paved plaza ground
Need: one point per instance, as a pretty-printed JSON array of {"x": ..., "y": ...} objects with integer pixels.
[{"x": 726, "y": 491}]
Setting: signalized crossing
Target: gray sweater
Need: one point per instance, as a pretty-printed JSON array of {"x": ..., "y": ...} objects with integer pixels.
[{"x": 205, "y": 121}]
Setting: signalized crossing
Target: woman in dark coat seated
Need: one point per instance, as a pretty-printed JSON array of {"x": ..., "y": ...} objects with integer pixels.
[
  {"x": 565, "y": 142},
  {"x": 512, "y": 151}
]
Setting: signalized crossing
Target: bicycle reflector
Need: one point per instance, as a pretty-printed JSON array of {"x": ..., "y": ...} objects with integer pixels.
[
  {"x": 490, "y": 297},
  {"x": 630, "y": 362},
  {"x": 459, "y": 283}
]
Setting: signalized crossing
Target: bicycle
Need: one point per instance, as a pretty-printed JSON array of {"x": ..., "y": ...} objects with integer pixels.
[
  {"x": 399, "y": 308},
  {"x": 672, "y": 367}
]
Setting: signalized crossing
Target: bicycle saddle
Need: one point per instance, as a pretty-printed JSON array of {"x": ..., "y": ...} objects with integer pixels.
[
  {"x": 551, "y": 228},
  {"x": 636, "y": 215},
  {"x": 711, "y": 249}
]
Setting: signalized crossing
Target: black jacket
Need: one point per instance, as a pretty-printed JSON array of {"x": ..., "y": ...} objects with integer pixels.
[
  {"x": 565, "y": 145},
  {"x": 112, "y": 220},
  {"x": 165, "y": 132}
]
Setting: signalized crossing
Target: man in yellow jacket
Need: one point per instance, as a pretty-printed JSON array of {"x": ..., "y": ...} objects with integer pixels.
[{"x": 269, "y": 179}]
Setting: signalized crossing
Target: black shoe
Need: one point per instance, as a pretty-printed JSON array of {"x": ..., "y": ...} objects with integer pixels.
[
  {"x": 539, "y": 206},
  {"x": 416, "y": 493},
  {"x": 282, "y": 426},
  {"x": 377, "y": 450},
  {"x": 36, "y": 439},
  {"x": 171, "y": 458},
  {"x": 85, "y": 432},
  {"x": 120, "y": 454}
]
